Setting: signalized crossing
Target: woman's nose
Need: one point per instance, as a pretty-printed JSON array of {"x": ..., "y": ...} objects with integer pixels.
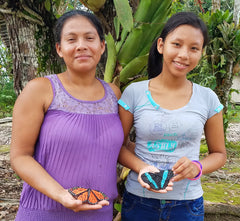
[{"x": 81, "y": 44}]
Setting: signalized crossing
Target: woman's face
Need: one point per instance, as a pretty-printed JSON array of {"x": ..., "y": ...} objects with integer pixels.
[
  {"x": 182, "y": 50},
  {"x": 80, "y": 46}
]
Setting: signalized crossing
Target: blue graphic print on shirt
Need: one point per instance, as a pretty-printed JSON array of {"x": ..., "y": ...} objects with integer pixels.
[{"x": 163, "y": 145}]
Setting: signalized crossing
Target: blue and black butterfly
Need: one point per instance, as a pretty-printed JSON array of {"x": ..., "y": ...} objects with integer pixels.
[{"x": 159, "y": 180}]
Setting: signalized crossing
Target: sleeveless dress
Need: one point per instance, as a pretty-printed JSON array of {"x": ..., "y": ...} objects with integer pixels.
[{"x": 78, "y": 145}]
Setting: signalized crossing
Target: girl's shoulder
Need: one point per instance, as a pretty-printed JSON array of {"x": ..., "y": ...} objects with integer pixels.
[
  {"x": 206, "y": 96},
  {"x": 140, "y": 85},
  {"x": 203, "y": 91}
]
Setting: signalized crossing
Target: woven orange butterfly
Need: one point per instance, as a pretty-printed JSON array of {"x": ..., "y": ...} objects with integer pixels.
[{"x": 87, "y": 195}]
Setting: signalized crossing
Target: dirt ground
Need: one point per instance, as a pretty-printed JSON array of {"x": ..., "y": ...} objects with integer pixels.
[{"x": 11, "y": 185}]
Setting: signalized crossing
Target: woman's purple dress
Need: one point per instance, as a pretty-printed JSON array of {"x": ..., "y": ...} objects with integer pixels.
[{"x": 78, "y": 145}]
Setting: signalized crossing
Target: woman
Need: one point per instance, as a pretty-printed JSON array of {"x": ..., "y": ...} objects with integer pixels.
[
  {"x": 66, "y": 130},
  {"x": 169, "y": 114}
]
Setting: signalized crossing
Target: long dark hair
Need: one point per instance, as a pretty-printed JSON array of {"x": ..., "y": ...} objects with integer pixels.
[
  {"x": 155, "y": 59},
  {"x": 62, "y": 20}
]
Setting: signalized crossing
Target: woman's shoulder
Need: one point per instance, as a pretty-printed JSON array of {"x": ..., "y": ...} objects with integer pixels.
[
  {"x": 38, "y": 84},
  {"x": 38, "y": 89},
  {"x": 115, "y": 89}
]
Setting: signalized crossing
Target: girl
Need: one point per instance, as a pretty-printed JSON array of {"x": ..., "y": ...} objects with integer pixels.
[
  {"x": 169, "y": 114},
  {"x": 66, "y": 130}
]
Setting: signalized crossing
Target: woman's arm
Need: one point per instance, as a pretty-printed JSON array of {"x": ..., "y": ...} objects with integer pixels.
[
  {"x": 217, "y": 156},
  {"x": 28, "y": 115}
]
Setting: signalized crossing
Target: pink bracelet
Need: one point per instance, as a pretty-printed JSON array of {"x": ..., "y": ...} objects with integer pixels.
[{"x": 199, "y": 165}]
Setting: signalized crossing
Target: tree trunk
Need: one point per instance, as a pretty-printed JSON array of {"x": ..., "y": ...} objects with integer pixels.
[
  {"x": 236, "y": 12},
  {"x": 216, "y": 5},
  {"x": 224, "y": 85},
  {"x": 22, "y": 47},
  {"x": 31, "y": 42}
]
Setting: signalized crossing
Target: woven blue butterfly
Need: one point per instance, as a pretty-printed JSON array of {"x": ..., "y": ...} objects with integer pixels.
[{"x": 159, "y": 180}]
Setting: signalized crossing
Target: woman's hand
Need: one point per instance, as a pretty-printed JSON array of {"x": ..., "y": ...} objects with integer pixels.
[
  {"x": 184, "y": 168},
  {"x": 152, "y": 169},
  {"x": 68, "y": 201}
]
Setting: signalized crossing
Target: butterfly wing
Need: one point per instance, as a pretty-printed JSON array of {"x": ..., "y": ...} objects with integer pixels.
[
  {"x": 158, "y": 180},
  {"x": 87, "y": 195},
  {"x": 80, "y": 193},
  {"x": 95, "y": 196}
]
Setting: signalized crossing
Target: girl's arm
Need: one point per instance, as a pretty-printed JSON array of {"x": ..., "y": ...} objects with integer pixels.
[
  {"x": 214, "y": 134},
  {"x": 28, "y": 115},
  {"x": 217, "y": 157}
]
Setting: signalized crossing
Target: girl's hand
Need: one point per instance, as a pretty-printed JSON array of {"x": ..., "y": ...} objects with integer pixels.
[
  {"x": 147, "y": 186},
  {"x": 184, "y": 168},
  {"x": 68, "y": 201}
]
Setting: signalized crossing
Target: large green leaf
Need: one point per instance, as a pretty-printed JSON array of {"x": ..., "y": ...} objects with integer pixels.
[
  {"x": 133, "y": 68},
  {"x": 111, "y": 58},
  {"x": 124, "y": 13},
  {"x": 139, "y": 40},
  {"x": 136, "y": 38},
  {"x": 129, "y": 49}
]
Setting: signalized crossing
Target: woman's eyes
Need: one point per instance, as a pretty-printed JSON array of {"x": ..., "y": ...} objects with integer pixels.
[
  {"x": 90, "y": 37},
  {"x": 75, "y": 39}
]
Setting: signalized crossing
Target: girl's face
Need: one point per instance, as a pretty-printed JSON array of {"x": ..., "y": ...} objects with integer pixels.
[
  {"x": 80, "y": 47},
  {"x": 182, "y": 50}
]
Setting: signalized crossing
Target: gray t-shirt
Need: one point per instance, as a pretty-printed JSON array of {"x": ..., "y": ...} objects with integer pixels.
[{"x": 164, "y": 136}]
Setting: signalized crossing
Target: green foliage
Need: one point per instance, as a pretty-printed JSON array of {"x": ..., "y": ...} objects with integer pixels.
[
  {"x": 132, "y": 47},
  {"x": 7, "y": 94},
  {"x": 118, "y": 207},
  {"x": 205, "y": 6},
  {"x": 223, "y": 53},
  {"x": 124, "y": 14},
  {"x": 203, "y": 149},
  {"x": 234, "y": 113},
  {"x": 202, "y": 74},
  {"x": 7, "y": 99}
]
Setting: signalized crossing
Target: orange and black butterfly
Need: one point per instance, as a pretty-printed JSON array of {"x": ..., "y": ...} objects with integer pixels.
[{"x": 87, "y": 195}]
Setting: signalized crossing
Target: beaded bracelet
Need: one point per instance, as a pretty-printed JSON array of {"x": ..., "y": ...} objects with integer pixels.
[{"x": 199, "y": 165}]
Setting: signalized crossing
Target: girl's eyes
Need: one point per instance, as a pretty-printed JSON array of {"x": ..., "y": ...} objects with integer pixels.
[
  {"x": 195, "y": 48},
  {"x": 176, "y": 44}
]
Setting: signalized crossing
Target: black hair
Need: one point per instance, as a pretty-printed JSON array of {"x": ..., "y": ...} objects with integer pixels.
[
  {"x": 155, "y": 59},
  {"x": 73, "y": 13}
]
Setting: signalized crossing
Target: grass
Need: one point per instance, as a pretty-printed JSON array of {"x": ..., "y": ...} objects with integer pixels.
[
  {"x": 226, "y": 187},
  {"x": 223, "y": 192}
]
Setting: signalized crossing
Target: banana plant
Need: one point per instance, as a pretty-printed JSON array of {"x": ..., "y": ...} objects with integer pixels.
[
  {"x": 223, "y": 54},
  {"x": 128, "y": 56},
  {"x": 93, "y": 5}
]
